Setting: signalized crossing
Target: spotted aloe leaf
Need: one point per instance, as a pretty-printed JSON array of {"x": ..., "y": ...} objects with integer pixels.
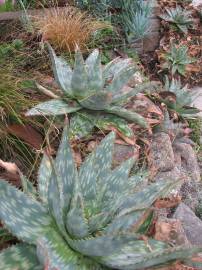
[
  {"x": 120, "y": 80},
  {"x": 125, "y": 222},
  {"x": 62, "y": 72},
  {"x": 96, "y": 101},
  {"x": 22, "y": 215},
  {"x": 137, "y": 256},
  {"x": 44, "y": 175},
  {"x": 93, "y": 63},
  {"x": 102, "y": 245},
  {"x": 20, "y": 256},
  {"x": 79, "y": 82},
  {"x": 54, "y": 253},
  {"x": 113, "y": 185},
  {"x": 28, "y": 187},
  {"x": 76, "y": 223},
  {"x": 55, "y": 202},
  {"x": 96, "y": 167},
  {"x": 66, "y": 171},
  {"x": 128, "y": 115},
  {"x": 53, "y": 107},
  {"x": 81, "y": 125},
  {"x": 148, "y": 87},
  {"x": 114, "y": 67},
  {"x": 113, "y": 121},
  {"x": 143, "y": 199}
]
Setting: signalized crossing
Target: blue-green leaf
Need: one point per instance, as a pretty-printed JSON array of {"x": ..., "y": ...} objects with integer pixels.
[
  {"x": 81, "y": 125},
  {"x": 96, "y": 101},
  {"x": 28, "y": 187},
  {"x": 107, "y": 121},
  {"x": 20, "y": 256},
  {"x": 140, "y": 255},
  {"x": 102, "y": 245},
  {"x": 53, "y": 107},
  {"x": 76, "y": 223},
  {"x": 120, "y": 80},
  {"x": 66, "y": 171},
  {"x": 96, "y": 167},
  {"x": 79, "y": 83},
  {"x": 128, "y": 115},
  {"x": 44, "y": 175},
  {"x": 93, "y": 62},
  {"x": 62, "y": 72},
  {"x": 23, "y": 216}
]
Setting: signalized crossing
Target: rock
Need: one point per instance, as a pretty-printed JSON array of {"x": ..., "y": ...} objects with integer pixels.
[
  {"x": 170, "y": 231},
  {"x": 161, "y": 154},
  {"x": 196, "y": 3},
  {"x": 174, "y": 175},
  {"x": 123, "y": 152},
  {"x": 189, "y": 160},
  {"x": 190, "y": 193},
  {"x": 151, "y": 42},
  {"x": 191, "y": 224},
  {"x": 198, "y": 101}
]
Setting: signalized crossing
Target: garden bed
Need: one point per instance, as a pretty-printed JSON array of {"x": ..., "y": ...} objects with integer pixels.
[{"x": 133, "y": 101}]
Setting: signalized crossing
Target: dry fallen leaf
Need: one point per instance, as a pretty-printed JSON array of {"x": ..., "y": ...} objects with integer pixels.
[{"x": 27, "y": 134}]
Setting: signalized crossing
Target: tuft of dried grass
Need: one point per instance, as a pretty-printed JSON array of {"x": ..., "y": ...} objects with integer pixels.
[{"x": 67, "y": 27}]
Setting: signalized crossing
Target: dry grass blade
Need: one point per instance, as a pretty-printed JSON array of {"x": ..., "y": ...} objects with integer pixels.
[{"x": 67, "y": 27}]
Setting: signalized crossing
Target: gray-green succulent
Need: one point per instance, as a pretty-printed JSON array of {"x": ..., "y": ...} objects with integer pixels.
[
  {"x": 89, "y": 218},
  {"x": 177, "y": 59},
  {"x": 92, "y": 94},
  {"x": 184, "y": 99},
  {"x": 180, "y": 18}
]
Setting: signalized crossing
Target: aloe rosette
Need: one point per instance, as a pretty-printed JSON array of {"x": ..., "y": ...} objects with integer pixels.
[
  {"x": 93, "y": 95},
  {"x": 82, "y": 218}
]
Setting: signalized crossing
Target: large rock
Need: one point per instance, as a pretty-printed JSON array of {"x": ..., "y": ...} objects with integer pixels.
[
  {"x": 192, "y": 225},
  {"x": 170, "y": 231},
  {"x": 189, "y": 160},
  {"x": 123, "y": 152},
  {"x": 161, "y": 154}
]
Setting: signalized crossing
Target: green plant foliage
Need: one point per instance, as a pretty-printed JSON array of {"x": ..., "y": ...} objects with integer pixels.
[
  {"x": 177, "y": 58},
  {"x": 8, "y": 5},
  {"x": 135, "y": 18},
  {"x": 20, "y": 256},
  {"x": 179, "y": 18},
  {"x": 95, "y": 90},
  {"x": 84, "y": 218},
  {"x": 183, "y": 99}
]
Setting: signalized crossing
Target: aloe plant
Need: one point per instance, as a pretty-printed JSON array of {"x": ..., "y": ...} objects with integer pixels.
[
  {"x": 92, "y": 93},
  {"x": 183, "y": 100},
  {"x": 135, "y": 18},
  {"x": 82, "y": 219},
  {"x": 178, "y": 17},
  {"x": 177, "y": 59}
]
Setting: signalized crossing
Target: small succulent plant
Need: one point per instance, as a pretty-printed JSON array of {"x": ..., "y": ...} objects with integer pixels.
[
  {"x": 178, "y": 17},
  {"x": 91, "y": 218},
  {"x": 135, "y": 19},
  {"x": 182, "y": 99},
  {"x": 91, "y": 93},
  {"x": 177, "y": 58}
]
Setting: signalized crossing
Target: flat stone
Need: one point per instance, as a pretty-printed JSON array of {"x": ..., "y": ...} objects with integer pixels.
[
  {"x": 198, "y": 101},
  {"x": 161, "y": 154},
  {"x": 151, "y": 42},
  {"x": 196, "y": 3},
  {"x": 191, "y": 224},
  {"x": 189, "y": 160},
  {"x": 170, "y": 231}
]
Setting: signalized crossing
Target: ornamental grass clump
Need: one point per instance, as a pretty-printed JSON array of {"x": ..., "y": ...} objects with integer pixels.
[
  {"x": 94, "y": 95},
  {"x": 67, "y": 27},
  {"x": 92, "y": 218}
]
